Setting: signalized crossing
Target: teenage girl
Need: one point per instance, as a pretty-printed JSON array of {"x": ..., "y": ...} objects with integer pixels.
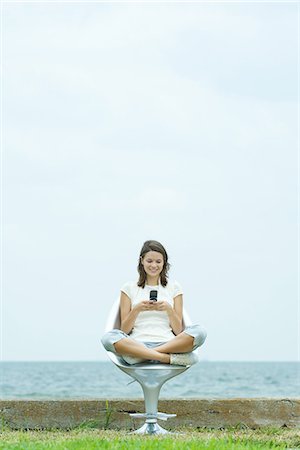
[{"x": 153, "y": 330}]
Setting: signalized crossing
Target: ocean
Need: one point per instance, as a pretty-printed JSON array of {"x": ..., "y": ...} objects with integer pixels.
[{"x": 103, "y": 380}]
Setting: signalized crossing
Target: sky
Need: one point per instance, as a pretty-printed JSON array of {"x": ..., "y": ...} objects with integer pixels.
[{"x": 124, "y": 122}]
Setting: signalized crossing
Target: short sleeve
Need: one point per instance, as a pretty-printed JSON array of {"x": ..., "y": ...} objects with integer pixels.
[
  {"x": 127, "y": 289},
  {"x": 177, "y": 289}
]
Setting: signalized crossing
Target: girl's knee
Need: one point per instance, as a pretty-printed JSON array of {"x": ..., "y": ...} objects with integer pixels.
[
  {"x": 110, "y": 338},
  {"x": 106, "y": 341},
  {"x": 199, "y": 334},
  {"x": 202, "y": 335}
]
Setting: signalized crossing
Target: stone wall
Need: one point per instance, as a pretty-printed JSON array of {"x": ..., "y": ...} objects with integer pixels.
[{"x": 113, "y": 414}]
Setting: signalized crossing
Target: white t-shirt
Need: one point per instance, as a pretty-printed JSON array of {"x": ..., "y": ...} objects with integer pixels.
[{"x": 152, "y": 326}]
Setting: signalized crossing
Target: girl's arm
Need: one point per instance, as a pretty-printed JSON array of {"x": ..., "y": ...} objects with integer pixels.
[
  {"x": 174, "y": 312},
  {"x": 128, "y": 315},
  {"x": 175, "y": 315}
]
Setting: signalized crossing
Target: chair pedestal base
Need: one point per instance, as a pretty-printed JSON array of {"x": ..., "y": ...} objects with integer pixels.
[{"x": 151, "y": 428}]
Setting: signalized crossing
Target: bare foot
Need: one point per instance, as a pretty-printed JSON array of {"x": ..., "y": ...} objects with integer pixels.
[{"x": 165, "y": 358}]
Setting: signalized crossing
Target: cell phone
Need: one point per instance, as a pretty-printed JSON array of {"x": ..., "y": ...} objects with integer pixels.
[{"x": 153, "y": 296}]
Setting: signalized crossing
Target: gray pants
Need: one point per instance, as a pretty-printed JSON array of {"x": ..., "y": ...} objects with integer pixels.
[{"x": 111, "y": 337}]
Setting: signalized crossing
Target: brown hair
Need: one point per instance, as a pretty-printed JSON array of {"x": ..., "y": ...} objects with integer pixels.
[{"x": 153, "y": 246}]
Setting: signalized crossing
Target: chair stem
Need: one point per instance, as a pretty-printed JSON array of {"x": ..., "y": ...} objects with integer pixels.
[{"x": 151, "y": 394}]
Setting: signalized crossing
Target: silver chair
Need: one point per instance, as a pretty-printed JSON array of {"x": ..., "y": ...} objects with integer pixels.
[{"x": 150, "y": 376}]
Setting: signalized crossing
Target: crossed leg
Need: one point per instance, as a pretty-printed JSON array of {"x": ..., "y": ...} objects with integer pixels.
[
  {"x": 181, "y": 343},
  {"x": 130, "y": 347}
]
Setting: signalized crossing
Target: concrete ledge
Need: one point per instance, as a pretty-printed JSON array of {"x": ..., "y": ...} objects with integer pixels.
[{"x": 113, "y": 414}]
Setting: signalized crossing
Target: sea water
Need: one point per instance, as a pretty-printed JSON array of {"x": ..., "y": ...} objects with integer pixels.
[{"x": 74, "y": 380}]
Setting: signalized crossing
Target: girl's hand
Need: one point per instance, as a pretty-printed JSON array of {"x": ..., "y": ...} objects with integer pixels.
[
  {"x": 163, "y": 305},
  {"x": 144, "y": 305}
]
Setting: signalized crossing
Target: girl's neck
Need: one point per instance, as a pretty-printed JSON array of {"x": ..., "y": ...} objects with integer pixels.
[{"x": 152, "y": 281}]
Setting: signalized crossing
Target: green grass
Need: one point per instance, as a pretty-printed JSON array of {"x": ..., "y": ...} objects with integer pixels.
[{"x": 90, "y": 439}]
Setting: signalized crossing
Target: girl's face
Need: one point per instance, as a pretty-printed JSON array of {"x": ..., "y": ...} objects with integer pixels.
[{"x": 153, "y": 263}]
